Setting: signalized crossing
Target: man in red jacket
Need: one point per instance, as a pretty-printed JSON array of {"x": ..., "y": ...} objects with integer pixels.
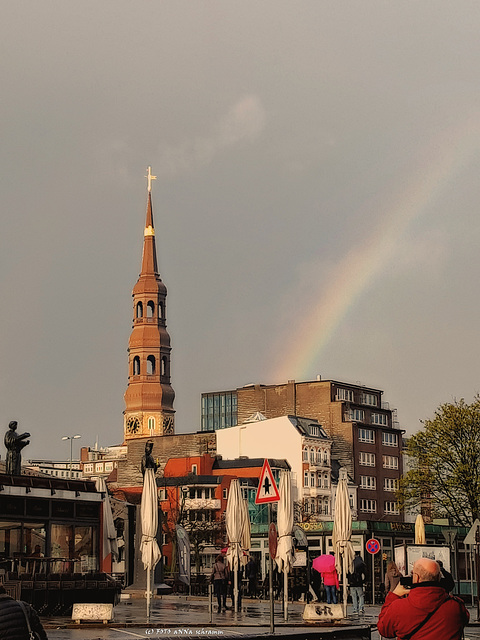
[{"x": 424, "y": 612}]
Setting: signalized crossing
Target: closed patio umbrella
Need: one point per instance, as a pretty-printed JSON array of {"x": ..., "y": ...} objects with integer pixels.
[
  {"x": 109, "y": 533},
  {"x": 420, "y": 530},
  {"x": 234, "y": 523},
  {"x": 285, "y": 552},
  {"x": 246, "y": 533},
  {"x": 342, "y": 534},
  {"x": 151, "y": 553}
]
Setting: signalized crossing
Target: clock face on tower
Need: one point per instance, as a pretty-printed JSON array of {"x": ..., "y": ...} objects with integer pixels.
[{"x": 133, "y": 425}]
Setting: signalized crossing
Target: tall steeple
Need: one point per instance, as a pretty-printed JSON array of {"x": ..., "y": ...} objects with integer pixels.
[{"x": 149, "y": 396}]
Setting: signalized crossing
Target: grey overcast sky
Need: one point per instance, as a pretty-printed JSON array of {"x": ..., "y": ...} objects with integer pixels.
[{"x": 316, "y": 206}]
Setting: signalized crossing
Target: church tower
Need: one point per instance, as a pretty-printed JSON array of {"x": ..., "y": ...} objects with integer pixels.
[{"x": 149, "y": 396}]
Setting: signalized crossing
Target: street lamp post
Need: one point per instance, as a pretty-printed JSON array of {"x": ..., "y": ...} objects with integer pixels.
[{"x": 71, "y": 438}]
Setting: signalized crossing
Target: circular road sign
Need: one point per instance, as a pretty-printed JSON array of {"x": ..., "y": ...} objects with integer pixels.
[
  {"x": 373, "y": 546},
  {"x": 272, "y": 540}
]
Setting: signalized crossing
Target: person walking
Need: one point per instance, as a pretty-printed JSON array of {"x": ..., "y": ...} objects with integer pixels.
[
  {"x": 424, "y": 612},
  {"x": 18, "y": 619},
  {"x": 251, "y": 574},
  {"x": 355, "y": 581},
  {"x": 392, "y": 576},
  {"x": 219, "y": 578}
]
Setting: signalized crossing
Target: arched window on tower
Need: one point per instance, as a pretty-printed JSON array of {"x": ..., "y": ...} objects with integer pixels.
[
  {"x": 150, "y": 309},
  {"x": 151, "y": 423},
  {"x": 139, "y": 310},
  {"x": 150, "y": 365},
  {"x": 136, "y": 366},
  {"x": 164, "y": 366},
  {"x": 161, "y": 310}
]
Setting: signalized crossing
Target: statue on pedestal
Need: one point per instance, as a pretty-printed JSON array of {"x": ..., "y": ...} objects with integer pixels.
[
  {"x": 14, "y": 444},
  {"x": 147, "y": 461}
]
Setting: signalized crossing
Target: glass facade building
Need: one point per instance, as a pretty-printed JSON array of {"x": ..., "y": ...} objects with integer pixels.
[{"x": 219, "y": 410}]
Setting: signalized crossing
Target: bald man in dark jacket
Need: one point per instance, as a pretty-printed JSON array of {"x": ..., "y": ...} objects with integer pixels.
[{"x": 13, "y": 625}]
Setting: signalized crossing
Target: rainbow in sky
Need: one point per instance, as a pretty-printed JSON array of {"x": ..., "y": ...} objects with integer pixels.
[{"x": 437, "y": 166}]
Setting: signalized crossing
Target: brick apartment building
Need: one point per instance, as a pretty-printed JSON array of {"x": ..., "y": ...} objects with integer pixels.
[{"x": 365, "y": 435}]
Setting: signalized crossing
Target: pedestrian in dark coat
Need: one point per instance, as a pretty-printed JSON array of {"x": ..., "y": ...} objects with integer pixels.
[{"x": 13, "y": 625}]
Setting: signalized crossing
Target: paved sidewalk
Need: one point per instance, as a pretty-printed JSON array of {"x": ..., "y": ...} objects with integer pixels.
[{"x": 189, "y": 612}]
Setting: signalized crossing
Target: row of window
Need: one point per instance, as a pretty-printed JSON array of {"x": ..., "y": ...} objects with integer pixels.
[
  {"x": 315, "y": 455},
  {"x": 368, "y": 460},
  {"x": 316, "y": 480},
  {"x": 368, "y": 436},
  {"x": 62, "y": 474},
  {"x": 370, "y": 482},
  {"x": 320, "y": 506},
  {"x": 98, "y": 467},
  {"x": 358, "y": 415},
  {"x": 348, "y": 395},
  {"x": 205, "y": 493},
  {"x": 370, "y": 506}
]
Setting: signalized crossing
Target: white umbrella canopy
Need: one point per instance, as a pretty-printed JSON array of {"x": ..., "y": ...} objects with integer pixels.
[
  {"x": 234, "y": 523},
  {"x": 151, "y": 553},
  {"x": 420, "y": 530},
  {"x": 342, "y": 534},
  {"x": 285, "y": 552},
  {"x": 109, "y": 536}
]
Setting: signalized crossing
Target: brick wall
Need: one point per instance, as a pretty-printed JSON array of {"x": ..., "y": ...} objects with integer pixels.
[{"x": 164, "y": 447}]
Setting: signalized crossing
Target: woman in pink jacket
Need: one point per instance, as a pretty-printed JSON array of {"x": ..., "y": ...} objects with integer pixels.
[{"x": 331, "y": 584}]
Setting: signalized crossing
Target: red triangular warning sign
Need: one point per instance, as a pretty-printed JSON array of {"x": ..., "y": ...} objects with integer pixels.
[{"x": 267, "y": 488}]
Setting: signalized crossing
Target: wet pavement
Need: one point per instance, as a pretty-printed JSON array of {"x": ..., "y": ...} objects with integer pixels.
[{"x": 183, "y": 615}]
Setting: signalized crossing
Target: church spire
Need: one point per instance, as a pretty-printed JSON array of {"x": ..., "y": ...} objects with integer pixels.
[
  {"x": 149, "y": 260},
  {"x": 149, "y": 396}
]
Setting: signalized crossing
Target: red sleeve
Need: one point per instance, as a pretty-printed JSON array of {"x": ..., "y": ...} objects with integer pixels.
[{"x": 386, "y": 621}]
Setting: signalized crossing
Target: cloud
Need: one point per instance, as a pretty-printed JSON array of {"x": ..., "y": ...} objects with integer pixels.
[
  {"x": 429, "y": 251},
  {"x": 243, "y": 123}
]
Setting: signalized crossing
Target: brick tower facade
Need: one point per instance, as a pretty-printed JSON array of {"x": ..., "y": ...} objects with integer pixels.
[{"x": 149, "y": 396}]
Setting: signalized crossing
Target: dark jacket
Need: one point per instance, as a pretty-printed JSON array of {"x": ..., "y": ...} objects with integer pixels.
[
  {"x": 13, "y": 625},
  {"x": 355, "y": 579},
  {"x": 446, "y": 580},
  {"x": 400, "y": 616}
]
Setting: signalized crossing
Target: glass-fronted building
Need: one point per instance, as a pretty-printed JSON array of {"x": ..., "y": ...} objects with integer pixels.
[{"x": 219, "y": 410}]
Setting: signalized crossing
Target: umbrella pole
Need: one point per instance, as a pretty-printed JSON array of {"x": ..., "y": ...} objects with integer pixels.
[
  {"x": 235, "y": 586},
  {"x": 148, "y": 592},
  {"x": 344, "y": 585},
  {"x": 285, "y": 594}
]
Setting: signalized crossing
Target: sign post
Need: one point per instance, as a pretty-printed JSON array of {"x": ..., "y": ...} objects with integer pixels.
[
  {"x": 373, "y": 547},
  {"x": 267, "y": 493}
]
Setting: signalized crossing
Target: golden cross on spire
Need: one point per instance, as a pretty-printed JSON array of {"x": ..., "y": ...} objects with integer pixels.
[{"x": 150, "y": 178}]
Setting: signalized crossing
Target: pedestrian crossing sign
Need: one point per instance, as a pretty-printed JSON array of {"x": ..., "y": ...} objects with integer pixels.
[{"x": 267, "y": 487}]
